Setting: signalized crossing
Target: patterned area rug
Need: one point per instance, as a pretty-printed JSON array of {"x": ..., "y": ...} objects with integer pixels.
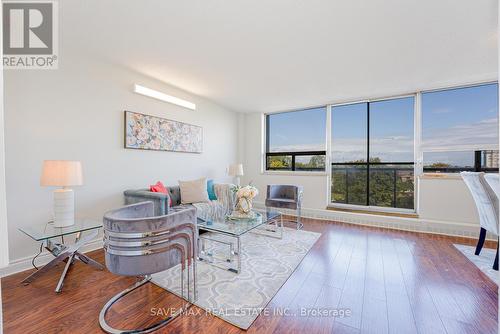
[
  {"x": 483, "y": 261},
  {"x": 266, "y": 264}
]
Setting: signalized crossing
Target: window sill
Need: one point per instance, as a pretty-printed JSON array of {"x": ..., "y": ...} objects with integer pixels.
[
  {"x": 440, "y": 176},
  {"x": 293, "y": 173},
  {"x": 373, "y": 211}
]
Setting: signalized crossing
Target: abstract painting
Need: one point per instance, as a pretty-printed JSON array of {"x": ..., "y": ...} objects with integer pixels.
[{"x": 147, "y": 132}]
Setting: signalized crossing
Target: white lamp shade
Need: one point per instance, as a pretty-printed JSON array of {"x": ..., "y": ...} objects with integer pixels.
[
  {"x": 236, "y": 170},
  {"x": 61, "y": 173}
]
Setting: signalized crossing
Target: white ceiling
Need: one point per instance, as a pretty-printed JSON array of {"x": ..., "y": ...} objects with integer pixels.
[{"x": 271, "y": 55}]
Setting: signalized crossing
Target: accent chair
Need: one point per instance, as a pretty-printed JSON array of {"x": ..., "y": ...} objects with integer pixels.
[
  {"x": 283, "y": 196},
  {"x": 138, "y": 243}
]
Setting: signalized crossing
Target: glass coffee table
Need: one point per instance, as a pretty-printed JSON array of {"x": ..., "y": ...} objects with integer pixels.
[
  {"x": 227, "y": 232},
  {"x": 49, "y": 236}
]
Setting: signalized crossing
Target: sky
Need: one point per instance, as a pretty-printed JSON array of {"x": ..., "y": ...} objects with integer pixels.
[
  {"x": 298, "y": 131},
  {"x": 451, "y": 119}
]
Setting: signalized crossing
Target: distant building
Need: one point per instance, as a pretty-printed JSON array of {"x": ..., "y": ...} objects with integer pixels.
[{"x": 490, "y": 159}]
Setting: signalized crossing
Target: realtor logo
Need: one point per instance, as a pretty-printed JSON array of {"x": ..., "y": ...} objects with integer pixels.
[{"x": 29, "y": 34}]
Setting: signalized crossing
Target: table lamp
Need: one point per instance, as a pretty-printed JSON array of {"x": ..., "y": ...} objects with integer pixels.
[
  {"x": 62, "y": 173},
  {"x": 236, "y": 170}
]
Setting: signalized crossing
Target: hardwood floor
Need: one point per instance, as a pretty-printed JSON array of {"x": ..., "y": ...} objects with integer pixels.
[{"x": 391, "y": 282}]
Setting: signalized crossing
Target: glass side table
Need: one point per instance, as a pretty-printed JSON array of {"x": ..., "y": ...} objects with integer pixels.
[{"x": 61, "y": 251}]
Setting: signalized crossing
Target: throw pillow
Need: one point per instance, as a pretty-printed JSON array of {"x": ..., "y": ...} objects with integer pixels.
[
  {"x": 160, "y": 188},
  {"x": 211, "y": 190},
  {"x": 193, "y": 191}
]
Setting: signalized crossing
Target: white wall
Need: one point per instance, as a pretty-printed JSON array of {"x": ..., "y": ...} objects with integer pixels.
[
  {"x": 77, "y": 113},
  {"x": 442, "y": 200},
  {"x": 447, "y": 199}
]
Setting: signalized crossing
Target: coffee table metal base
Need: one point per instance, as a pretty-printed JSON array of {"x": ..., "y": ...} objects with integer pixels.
[{"x": 234, "y": 252}]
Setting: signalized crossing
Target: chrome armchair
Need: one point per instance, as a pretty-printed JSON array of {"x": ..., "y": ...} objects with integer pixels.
[
  {"x": 487, "y": 206},
  {"x": 136, "y": 243},
  {"x": 286, "y": 197}
]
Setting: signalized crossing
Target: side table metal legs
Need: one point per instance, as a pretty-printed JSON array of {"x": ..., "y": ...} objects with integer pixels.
[
  {"x": 87, "y": 260},
  {"x": 69, "y": 253},
  {"x": 65, "y": 271}
]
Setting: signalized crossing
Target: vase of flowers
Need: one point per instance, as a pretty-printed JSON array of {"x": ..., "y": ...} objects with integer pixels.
[{"x": 244, "y": 199}]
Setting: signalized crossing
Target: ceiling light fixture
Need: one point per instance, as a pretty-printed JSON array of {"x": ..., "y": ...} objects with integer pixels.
[{"x": 163, "y": 97}]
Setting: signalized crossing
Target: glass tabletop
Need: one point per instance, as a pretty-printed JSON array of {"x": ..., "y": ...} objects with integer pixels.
[
  {"x": 48, "y": 231},
  {"x": 238, "y": 227}
]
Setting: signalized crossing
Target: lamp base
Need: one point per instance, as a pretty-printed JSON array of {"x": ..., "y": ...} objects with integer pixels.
[
  {"x": 237, "y": 180},
  {"x": 64, "y": 207}
]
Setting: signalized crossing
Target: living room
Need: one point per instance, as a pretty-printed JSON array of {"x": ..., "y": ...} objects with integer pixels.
[{"x": 327, "y": 166}]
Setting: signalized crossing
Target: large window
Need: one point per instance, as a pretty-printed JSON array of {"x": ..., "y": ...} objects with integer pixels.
[
  {"x": 372, "y": 148},
  {"x": 295, "y": 140},
  {"x": 460, "y": 129},
  {"x": 372, "y": 153}
]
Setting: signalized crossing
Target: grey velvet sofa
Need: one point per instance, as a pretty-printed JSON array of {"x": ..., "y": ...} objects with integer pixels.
[
  {"x": 209, "y": 210},
  {"x": 160, "y": 201}
]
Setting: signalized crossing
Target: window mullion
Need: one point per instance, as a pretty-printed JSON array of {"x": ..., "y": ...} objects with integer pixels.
[{"x": 367, "y": 153}]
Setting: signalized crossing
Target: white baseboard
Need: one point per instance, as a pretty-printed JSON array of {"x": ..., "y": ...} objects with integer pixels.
[
  {"x": 24, "y": 263},
  {"x": 422, "y": 225}
]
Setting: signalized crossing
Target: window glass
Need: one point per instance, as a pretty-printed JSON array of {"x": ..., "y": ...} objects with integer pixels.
[
  {"x": 310, "y": 162},
  {"x": 459, "y": 161},
  {"x": 297, "y": 131},
  {"x": 460, "y": 119},
  {"x": 449, "y": 161},
  {"x": 392, "y": 185},
  {"x": 279, "y": 162},
  {"x": 349, "y": 184},
  {"x": 349, "y": 133},
  {"x": 460, "y": 129},
  {"x": 391, "y": 130}
]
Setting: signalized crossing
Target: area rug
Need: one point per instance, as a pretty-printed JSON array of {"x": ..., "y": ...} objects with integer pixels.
[
  {"x": 266, "y": 264},
  {"x": 483, "y": 261}
]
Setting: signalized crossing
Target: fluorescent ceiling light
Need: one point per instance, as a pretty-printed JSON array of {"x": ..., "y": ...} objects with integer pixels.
[{"x": 163, "y": 97}]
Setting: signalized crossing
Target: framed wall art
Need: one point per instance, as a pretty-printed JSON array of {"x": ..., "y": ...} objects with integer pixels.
[{"x": 146, "y": 132}]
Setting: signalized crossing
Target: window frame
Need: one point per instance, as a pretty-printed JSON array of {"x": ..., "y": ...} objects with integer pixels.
[
  {"x": 293, "y": 154},
  {"x": 367, "y": 163}
]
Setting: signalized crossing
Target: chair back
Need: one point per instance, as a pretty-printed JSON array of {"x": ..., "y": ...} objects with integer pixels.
[
  {"x": 485, "y": 199},
  {"x": 136, "y": 243},
  {"x": 284, "y": 191},
  {"x": 493, "y": 180}
]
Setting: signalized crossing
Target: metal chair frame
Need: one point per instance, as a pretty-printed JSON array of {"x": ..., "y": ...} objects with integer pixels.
[{"x": 134, "y": 244}]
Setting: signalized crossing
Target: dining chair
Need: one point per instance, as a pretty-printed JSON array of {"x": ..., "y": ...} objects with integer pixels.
[
  {"x": 487, "y": 205},
  {"x": 137, "y": 243},
  {"x": 493, "y": 180}
]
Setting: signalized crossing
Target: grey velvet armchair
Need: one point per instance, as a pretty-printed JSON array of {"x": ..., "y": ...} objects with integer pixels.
[
  {"x": 138, "y": 243},
  {"x": 286, "y": 197}
]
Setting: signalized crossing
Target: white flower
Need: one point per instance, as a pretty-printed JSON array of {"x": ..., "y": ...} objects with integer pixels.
[{"x": 247, "y": 192}]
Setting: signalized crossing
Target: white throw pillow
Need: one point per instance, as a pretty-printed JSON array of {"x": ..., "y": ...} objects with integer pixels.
[{"x": 194, "y": 191}]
